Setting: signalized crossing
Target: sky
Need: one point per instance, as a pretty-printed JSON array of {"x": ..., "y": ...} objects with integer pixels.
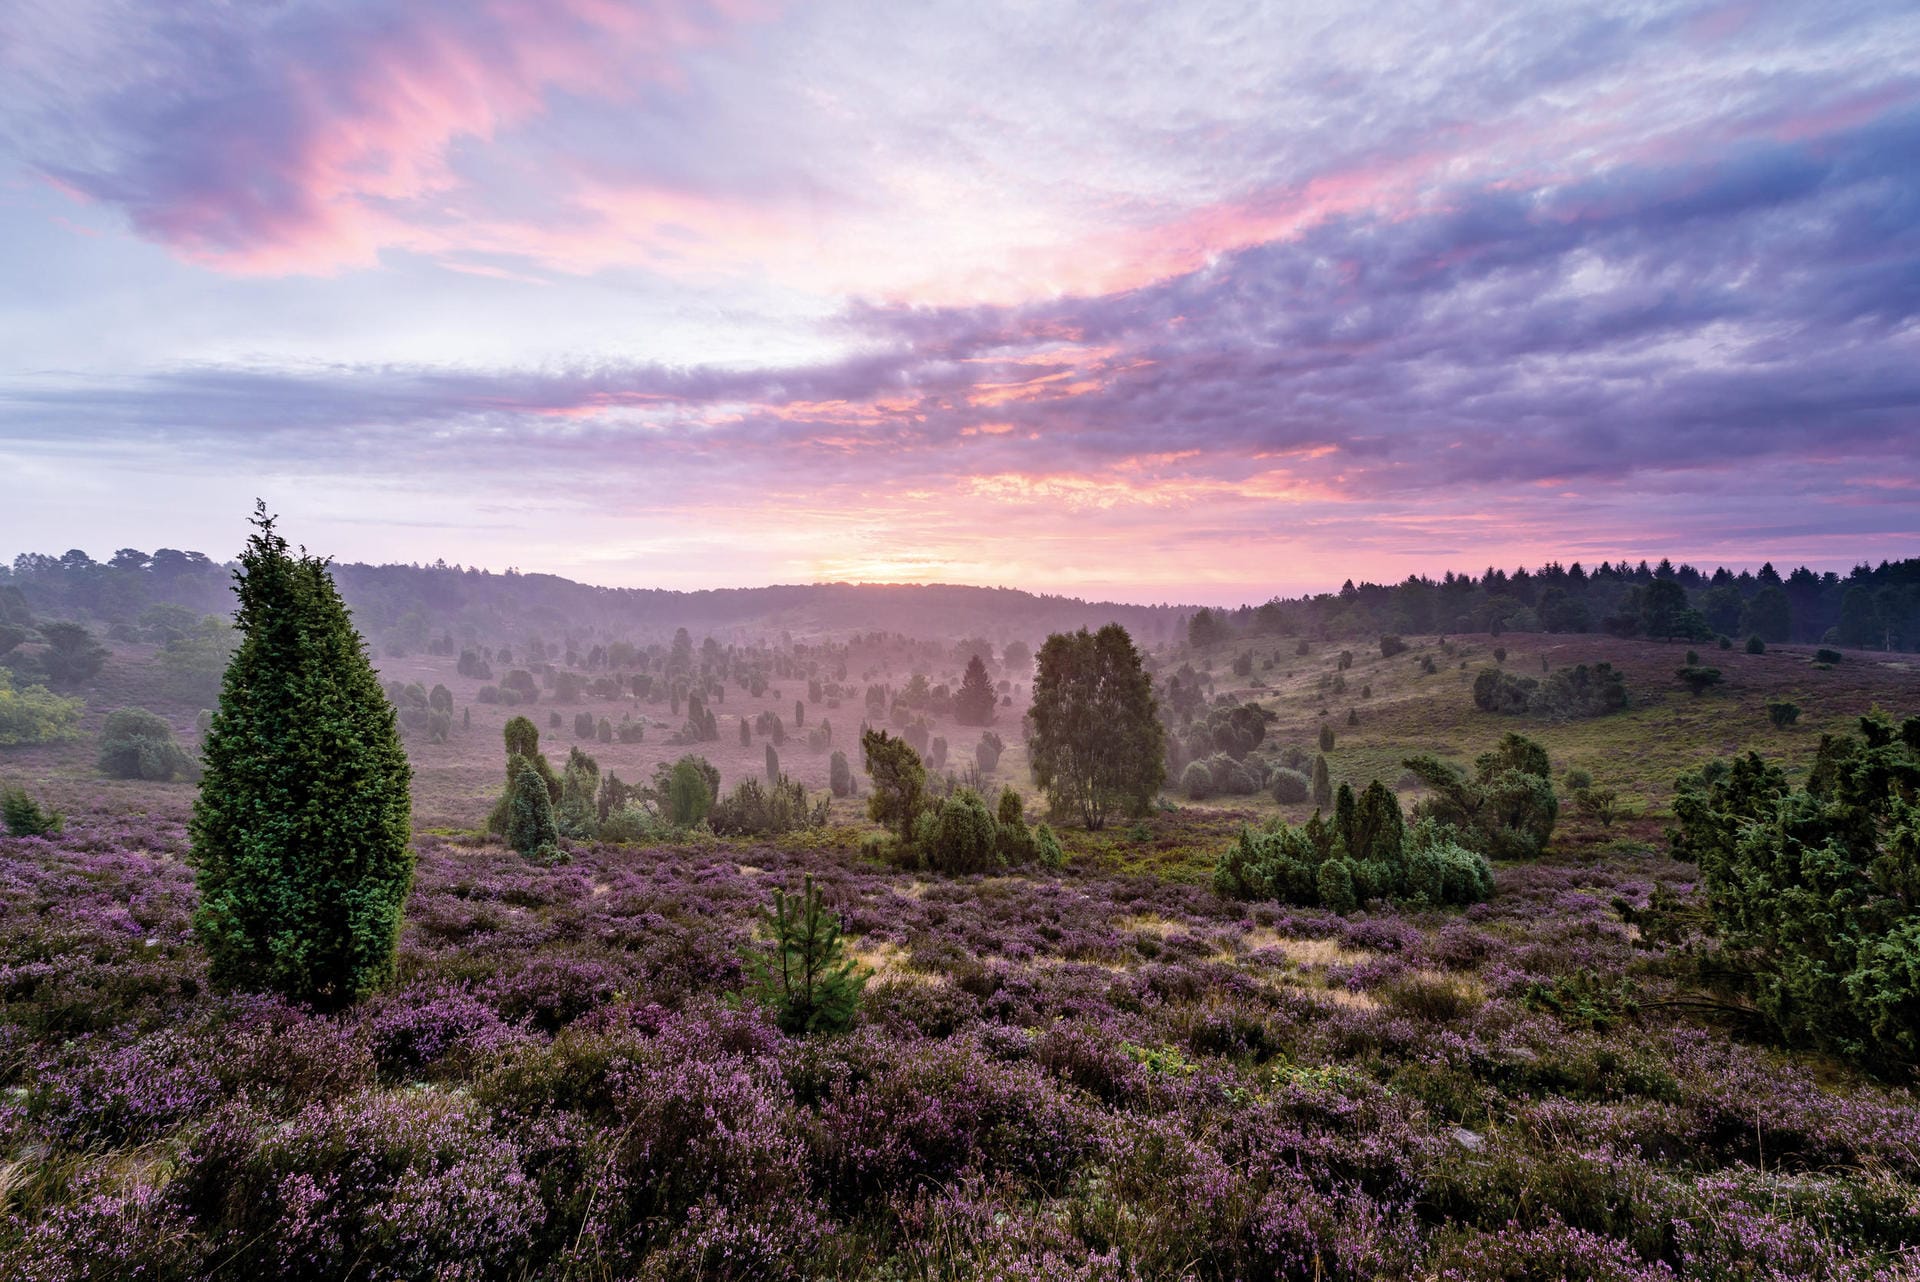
[{"x": 1190, "y": 302}]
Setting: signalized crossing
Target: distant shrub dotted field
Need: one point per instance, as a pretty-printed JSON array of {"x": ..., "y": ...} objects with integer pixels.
[{"x": 416, "y": 922}]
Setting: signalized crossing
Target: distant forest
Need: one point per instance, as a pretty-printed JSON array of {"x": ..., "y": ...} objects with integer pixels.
[
  {"x": 1871, "y": 608},
  {"x": 403, "y": 608}
]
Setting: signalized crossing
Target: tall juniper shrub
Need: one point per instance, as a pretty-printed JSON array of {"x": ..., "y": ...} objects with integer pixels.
[{"x": 301, "y": 826}]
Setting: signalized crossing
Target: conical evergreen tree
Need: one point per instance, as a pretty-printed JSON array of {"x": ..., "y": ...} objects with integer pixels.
[
  {"x": 807, "y": 978},
  {"x": 973, "y": 705},
  {"x": 300, "y": 830},
  {"x": 531, "y": 829}
]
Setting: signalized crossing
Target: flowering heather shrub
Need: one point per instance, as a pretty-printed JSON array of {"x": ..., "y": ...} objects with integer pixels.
[
  {"x": 400, "y": 1183},
  {"x": 102, "y": 1231},
  {"x": 418, "y": 1029},
  {"x": 90, "y": 1092},
  {"x": 1073, "y": 1073}
]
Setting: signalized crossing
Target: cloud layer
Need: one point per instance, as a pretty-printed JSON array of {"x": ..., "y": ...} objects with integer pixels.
[{"x": 1183, "y": 301}]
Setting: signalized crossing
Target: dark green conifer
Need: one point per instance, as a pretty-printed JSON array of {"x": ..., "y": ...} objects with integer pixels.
[
  {"x": 808, "y": 979},
  {"x": 301, "y": 827}
]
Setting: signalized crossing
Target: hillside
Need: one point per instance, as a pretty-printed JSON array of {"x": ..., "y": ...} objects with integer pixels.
[{"x": 1105, "y": 1069}]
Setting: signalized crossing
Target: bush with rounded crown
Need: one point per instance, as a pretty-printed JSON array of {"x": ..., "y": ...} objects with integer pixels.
[{"x": 137, "y": 744}]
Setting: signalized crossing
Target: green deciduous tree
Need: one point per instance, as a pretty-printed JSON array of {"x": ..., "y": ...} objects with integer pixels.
[
  {"x": 687, "y": 789},
  {"x": 34, "y": 714},
  {"x": 72, "y": 655},
  {"x": 1094, "y": 735},
  {"x": 301, "y": 827}
]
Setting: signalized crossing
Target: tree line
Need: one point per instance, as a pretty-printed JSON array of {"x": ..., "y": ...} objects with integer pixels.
[{"x": 1871, "y": 607}]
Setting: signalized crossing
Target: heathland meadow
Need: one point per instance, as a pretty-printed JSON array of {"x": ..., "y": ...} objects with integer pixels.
[{"x": 1067, "y": 1049}]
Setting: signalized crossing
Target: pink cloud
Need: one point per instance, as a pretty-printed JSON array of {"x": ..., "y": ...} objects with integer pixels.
[{"x": 337, "y": 139}]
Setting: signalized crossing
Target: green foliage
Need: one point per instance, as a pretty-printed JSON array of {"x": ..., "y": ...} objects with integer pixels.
[
  {"x": 1602, "y": 805},
  {"x": 522, "y": 740},
  {"x": 1503, "y": 692},
  {"x": 1046, "y": 847},
  {"x": 1769, "y": 615},
  {"x": 1014, "y": 840},
  {"x": 899, "y": 782},
  {"x": 196, "y": 658},
  {"x": 986, "y": 753},
  {"x": 1094, "y": 735},
  {"x": 1507, "y": 808},
  {"x": 137, "y": 744},
  {"x": 531, "y": 828},
  {"x": 1815, "y": 892},
  {"x": 577, "y": 815},
  {"x": 1755, "y": 645},
  {"x": 1783, "y": 714},
  {"x": 1824, "y": 655},
  {"x": 806, "y": 977},
  {"x": 1290, "y": 787},
  {"x": 1326, "y": 736},
  {"x": 974, "y": 703},
  {"x": 1579, "y": 691},
  {"x": 839, "y": 775},
  {"x": 756, "y": 809},
  {"x": 634, "y": 822},
  {"x": 1665, "y": 614},
  {"x": 772, "y": 764},
  {"x": 1196, "y": 781},
  {"x": 1366, "y": 853},
  {"x": 687, "y": 789},
  {"x": 1697, "y": 679},
  {"x": 964, "y": 837},
  {"x": 72, "y": 655},
  {"x": 22, "y": 816},
  {"x": 1390, "y": 645},
  {"x": 34, "y": 714},
  {"x": 1322, "y": 783},
  {"x": 1582, "y": 691},
  {"x": 301, "y": 826}
]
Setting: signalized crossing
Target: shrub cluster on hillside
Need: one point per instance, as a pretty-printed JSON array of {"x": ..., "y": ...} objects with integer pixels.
[
  {"x": 954, "y": 833},
  {"x": 1579, "y": 691},
  {"x": 1366, "y": 852},
  {"x": 33, "y": 714},
  {"x": 1814, "y": 892},
  {"x": 1506, "y": 808}
]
